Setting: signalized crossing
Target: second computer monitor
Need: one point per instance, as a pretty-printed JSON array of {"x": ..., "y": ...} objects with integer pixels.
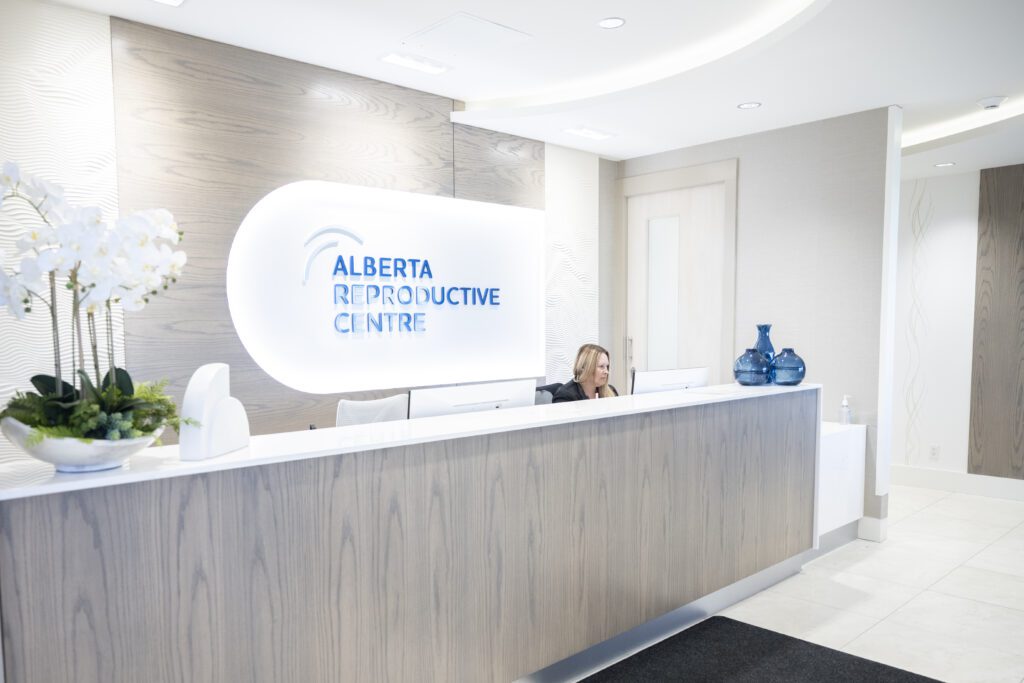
[
  {"x": 469, "y": 398},
  {"x": 647, "y": 381}
]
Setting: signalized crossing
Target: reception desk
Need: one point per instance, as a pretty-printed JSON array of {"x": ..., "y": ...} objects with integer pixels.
[{"x": 459, "y": 548}]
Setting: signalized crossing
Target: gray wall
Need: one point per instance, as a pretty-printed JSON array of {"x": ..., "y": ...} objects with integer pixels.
[{"x": 809, "y": 249}]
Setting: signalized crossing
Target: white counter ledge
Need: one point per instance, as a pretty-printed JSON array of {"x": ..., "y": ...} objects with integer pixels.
[{"x": 24, "y": 478}]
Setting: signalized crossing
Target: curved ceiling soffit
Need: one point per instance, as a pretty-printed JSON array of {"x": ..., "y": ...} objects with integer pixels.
[
  {"x": 950, "y": 130},
  {"x": 782, "y": 18}
]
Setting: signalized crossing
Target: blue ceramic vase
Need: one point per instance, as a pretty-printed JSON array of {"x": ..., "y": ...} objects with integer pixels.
[
  {"x": 752, "y": 368},
  {"x": 788, "y": 368},
  {"x": 764, "y": 345}
]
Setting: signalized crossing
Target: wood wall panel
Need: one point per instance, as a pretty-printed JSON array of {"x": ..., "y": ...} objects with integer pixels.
[
  {"x": 996, "y": 445},
  {"x": 207, "y": 129},
  {"x": 476, "y": 559},
  {"x": 498, "y": 168}
]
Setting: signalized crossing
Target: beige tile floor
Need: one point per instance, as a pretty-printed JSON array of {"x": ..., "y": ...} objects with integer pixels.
[{"x": 943, "y": 596}]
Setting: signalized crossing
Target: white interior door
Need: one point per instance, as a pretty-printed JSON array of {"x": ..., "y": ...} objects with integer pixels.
[{"x": 679, "y": 258}]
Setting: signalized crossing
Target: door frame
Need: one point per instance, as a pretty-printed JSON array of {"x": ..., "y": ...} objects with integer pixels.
[{"x": 724, "y": 171}]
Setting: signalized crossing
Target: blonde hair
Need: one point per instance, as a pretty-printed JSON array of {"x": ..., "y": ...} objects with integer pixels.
[{"x": 585, "y": 366}]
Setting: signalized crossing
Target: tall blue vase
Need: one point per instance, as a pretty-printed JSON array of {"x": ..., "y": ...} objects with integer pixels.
[
  {"x": 764, "y": 342},
  {"x": 764, "y": 345}
]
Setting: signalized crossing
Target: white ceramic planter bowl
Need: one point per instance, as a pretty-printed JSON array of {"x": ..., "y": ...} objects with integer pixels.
[{"x": 75, "y": 455}]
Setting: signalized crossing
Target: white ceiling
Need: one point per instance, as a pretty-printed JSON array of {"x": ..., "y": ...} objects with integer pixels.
[{"x": 673, "y": 75}]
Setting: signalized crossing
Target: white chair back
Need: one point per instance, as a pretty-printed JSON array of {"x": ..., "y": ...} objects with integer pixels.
[{"x": 377, "y": 410}]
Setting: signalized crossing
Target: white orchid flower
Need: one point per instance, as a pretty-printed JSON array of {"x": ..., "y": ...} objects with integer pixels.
[
  {"x": 50, "y": 260},
  {"x": 78, "y": 241},
  {"x": 99, "y": 292},
  {"x": 13, "y": 293},
  {"x": 124, "y": 260},
  {"x": 4, "y": 287},
  {"x": 49, "y": 198},
  {"x": 134, "y": 299},
  {"x": 178, "y": 261},
  {"x": 161, "y": 223},
  {"x": 10, "y": 176},
  {"x": 30, "y": 274},
  {"x": 97, "y": 268},
  {"x": 91, "y": 217},
  {"x": 37, "y": 238}
]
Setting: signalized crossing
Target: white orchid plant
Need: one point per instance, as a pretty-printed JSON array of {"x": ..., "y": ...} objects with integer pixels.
[{"x": 102, "y": 263}]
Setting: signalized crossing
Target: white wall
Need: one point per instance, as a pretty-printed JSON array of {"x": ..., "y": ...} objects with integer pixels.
[
  {"x": 810, "y": 217},
  {"x": 572, "y": 205},
  {"x": 809, "y": 245},
  {"x": 935, "y": 320},
  {"x": 56, "y": 121}
]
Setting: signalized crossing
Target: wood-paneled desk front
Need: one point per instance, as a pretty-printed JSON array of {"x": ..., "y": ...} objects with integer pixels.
[{"x": 459, "y": 548}]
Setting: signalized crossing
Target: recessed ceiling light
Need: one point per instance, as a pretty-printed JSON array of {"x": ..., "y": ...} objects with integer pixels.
[
  {"x": 945, "y": 164},
  {"x": 612, "y": 22},
  {"x": 991, "y": 102},
  {"x": 589, "y": 133},
  {"x": 172, "y": 3},
  {"x": 748, "y": 105},
  {"x": 419, "y": 63}
]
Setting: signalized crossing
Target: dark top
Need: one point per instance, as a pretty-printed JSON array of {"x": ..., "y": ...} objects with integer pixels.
[{"x": 572, "y": 391}]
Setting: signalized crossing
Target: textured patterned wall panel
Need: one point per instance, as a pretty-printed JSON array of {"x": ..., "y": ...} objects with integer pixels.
[
  {"x": 56, "y": 121},
  {"x": 997, "y": 386},
  {"x": 207, "y": 129},
  {"x": 935, "y": 320},
  {"x": 571, "y": 266}
]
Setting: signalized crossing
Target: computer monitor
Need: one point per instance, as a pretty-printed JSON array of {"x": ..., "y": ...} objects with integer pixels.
[
  {"x": 647, "y": 381},
  {"x": 468, "y": 398}
]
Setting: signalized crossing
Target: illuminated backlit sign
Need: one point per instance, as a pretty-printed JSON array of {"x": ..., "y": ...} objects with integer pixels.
[{"x": 335, "y": 288}]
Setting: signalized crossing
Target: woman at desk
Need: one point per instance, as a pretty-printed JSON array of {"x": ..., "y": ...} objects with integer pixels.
[{"x": 589, "y": 376}]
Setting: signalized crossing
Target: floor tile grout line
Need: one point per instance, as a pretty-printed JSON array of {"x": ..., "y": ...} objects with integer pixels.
[
  {"x": 894, "y": 524},
  {"x": 961, "y": 519},
  {"x": 861, "y": 633},
  {"x": 917, "y": 591},
  {"x": 983, "y": 602},
  {"x": 968, "y": 559},
  {"x": 852, "y": 570},
  {"x": 821, "y": 604},
  {"x": 925, "y": 629}
]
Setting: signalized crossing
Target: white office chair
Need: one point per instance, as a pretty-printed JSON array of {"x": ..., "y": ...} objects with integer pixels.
[{"x": 378, "y": 410}]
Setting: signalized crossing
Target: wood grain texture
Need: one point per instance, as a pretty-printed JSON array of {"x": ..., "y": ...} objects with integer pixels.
[
  {"x": 476, "y": 559},
  {"x": 498, "y": 168},
  {"x": 207, "y": 129},
  {"x": 996, "y": 444}
]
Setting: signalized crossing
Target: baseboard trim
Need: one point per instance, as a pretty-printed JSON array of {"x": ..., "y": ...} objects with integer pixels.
[
  {"x": 603, "y": 655},
  {"x": 959, "y": 482},
  {"x": 873, "y": 529}
]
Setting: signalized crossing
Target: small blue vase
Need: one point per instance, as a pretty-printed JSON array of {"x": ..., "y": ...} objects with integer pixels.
[
  {"x": 752, "y": 368},
  {"x": 789, "y": 368}
]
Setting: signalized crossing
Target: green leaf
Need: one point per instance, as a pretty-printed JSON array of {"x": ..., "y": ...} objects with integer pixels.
[
  {"x": 89, "y": 392},
  {"x": 47, "y": 385},
  {"x": 120, "y": 378}
]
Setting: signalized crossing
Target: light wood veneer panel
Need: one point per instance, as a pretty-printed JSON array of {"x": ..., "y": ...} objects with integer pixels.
[
  {"x": 207, "y": 129},
  {"x": 498, "y": 168},
  {"x": 996, "y": 444},
  {"x": 473, "y": 559}
]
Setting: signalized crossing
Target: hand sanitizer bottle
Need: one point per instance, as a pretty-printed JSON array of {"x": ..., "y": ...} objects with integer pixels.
[{"x": 845, "y": 414}]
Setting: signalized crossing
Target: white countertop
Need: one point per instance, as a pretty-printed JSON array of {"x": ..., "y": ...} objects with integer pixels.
[{"x": 27, "y": 477}]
